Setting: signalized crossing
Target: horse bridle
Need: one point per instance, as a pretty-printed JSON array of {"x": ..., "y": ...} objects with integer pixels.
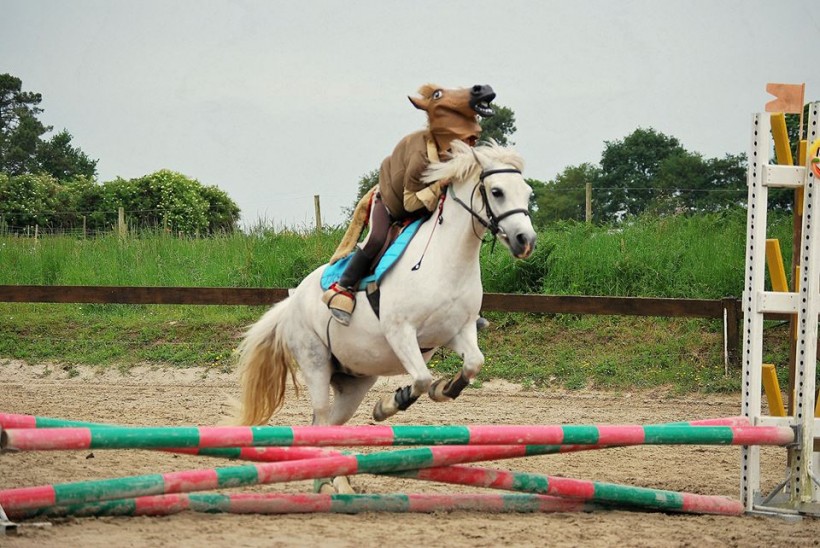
[{"x": 493, "y": 220}]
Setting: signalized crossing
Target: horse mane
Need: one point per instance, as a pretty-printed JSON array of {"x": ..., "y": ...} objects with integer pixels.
[{"x": 461, "y": 163}]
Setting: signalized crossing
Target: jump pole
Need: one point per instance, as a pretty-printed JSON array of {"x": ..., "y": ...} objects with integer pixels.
[
  {"x": 29, "y": 502},
  {"x": 279, "y": 503},
  {"x": 19, "y": 420},
  {"x": 575, "y": 489},
  {"x": 27, "y": 498},
  {"x": 29, "y": 439},
  {"x": 271, "y": 454}
]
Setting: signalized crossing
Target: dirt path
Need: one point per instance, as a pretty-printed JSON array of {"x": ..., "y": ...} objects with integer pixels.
[{"x": 185, "y": 397}]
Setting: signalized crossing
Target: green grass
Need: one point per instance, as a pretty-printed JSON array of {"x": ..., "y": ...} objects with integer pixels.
[
  {"x": 694, "y": 257},
  {"x": 565, "y": 351},
  {"x": 153, "y": 259}
]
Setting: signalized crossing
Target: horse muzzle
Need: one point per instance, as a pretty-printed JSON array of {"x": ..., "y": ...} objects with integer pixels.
[
  {"x": 522, "y": 244},
  {"x": 480, "y": 98}
]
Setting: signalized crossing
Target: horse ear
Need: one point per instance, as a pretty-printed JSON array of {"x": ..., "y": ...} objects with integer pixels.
[
  {"x": 477, "y": 158},
  {"x": 420, "y": 104},
  {"x": 426, "y": 92}
]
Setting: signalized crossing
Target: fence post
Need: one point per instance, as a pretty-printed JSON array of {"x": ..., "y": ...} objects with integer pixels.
[
  {"x": 588, "y": 202},
  {"x": 731, "y": 310},
  {"x": 121, "y": 229},
  {"x": 318, "y": 211}
]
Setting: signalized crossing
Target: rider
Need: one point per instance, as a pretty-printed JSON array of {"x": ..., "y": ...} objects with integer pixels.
[{"x": 451, "y": 115}]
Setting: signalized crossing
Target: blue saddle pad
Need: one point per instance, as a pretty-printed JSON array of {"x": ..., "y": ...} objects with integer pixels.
[{"x": 334, "y": 271}]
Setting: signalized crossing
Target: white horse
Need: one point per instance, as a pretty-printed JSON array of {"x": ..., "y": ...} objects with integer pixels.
[{"x": 425, "y": 304}]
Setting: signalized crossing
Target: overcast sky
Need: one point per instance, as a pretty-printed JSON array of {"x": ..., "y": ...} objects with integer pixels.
[{"x": 275, "y": 102}]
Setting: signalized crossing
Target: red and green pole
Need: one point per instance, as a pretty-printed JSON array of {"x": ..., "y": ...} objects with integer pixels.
[
  {"x": 17, "y": 420},
  {"x": 28, "y": 439},
  {"x": 26, "y": 498},
  {"x": 279, "y": 503},
  {"x": 591, "y": 491}
]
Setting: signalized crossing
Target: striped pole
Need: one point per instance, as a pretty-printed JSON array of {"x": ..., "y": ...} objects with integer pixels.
[
  {"x": 29, "y": 439},
  {"x": 258, "y": 454},
  {"x": 27, "y": 498},
  {"x": 270, "y": 454},
  {"x": 591, "y": 491},
  {"x": 278, "y": 503},
  {"x": 17, "y": 420}
]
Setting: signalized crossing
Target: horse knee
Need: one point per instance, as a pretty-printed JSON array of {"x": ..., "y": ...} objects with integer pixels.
[
  {"x": 472, "y": 367},
  {"x": 471, "y": 370},
  {"x": 422, "y": 384}
]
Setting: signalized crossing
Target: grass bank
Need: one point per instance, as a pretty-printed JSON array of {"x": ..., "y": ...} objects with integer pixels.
[{"x": 698, "y": 257}]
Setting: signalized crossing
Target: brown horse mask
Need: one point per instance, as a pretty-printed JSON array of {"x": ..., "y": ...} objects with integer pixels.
[{"x": 452, "y": 113}]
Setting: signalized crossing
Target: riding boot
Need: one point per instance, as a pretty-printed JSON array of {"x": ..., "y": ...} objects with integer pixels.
[{"x": 341, "y": 297}]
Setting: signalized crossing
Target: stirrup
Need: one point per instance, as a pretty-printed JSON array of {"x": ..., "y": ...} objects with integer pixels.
[{"x": 341, "y": 302}]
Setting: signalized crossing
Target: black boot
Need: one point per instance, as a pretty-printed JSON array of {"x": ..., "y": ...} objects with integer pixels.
[
  {"x": 355, "y": 271},
  {"x": 341, "y": 297}
]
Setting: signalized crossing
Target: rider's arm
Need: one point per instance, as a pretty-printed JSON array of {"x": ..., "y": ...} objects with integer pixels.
[{"x": 419, "y": 195}]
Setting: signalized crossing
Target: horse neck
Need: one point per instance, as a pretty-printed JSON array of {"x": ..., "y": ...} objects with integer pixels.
[{"x": 461, "y": 235}]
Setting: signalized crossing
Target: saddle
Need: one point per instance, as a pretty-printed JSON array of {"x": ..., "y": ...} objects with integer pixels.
[{"x": 398, "y": 237}]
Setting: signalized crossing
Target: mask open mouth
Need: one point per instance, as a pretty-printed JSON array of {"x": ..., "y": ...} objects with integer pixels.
[
  {"x": 483, "y": 109},
  {"x": 480, "y": 98}
]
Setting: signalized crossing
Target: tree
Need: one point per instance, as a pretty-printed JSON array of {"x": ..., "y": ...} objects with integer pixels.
[
  {"x": 366, "y": 182},
  {"x": 61, "y": 160},
  {"x": 564, "y": 199},
  {"x": 726, "y": 185},
  {"x": 626, "y": 185},
  {"x": 26, "y": 199},
  {"x": 500, "y": 126},
  {"x": 223, "y": 213},
  {"x": 20, "y": 130},
  {"x": 793, "y": 129},
  {"x": 22, "y": 147},
  {"x": 172, "y": 199}
]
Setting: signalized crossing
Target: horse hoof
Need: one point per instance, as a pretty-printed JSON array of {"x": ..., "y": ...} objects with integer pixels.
[
  {"x": 380, "y": 414},
  {"x": 339, "y": 485},
  {"x": 436, "y": 392},
  {"x": 323, "y": 486},
  {"x": 342, "y": 486}
]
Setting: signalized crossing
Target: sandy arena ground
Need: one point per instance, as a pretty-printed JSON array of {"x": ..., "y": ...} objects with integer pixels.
[{"x": 147, "y": 396}]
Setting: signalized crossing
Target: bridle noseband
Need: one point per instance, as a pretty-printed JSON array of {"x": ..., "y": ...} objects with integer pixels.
[{"x": 491, "y": 223}]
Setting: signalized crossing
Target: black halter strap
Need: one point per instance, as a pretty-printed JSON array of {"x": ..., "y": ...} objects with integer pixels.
[
  {"x": 491, "y": 223},
  {"x": 487, "y": 173}
]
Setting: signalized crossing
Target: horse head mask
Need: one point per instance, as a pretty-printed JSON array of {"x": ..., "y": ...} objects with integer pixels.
[{"x": 452, "y": 113}]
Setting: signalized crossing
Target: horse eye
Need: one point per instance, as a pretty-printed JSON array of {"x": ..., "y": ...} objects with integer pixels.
[
  {"x": 438, "y": 94},
  {"x": 497, "y": 192}
]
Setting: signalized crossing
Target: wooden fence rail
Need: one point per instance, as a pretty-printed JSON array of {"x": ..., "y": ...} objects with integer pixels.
[{"x": 727, "y": 309}]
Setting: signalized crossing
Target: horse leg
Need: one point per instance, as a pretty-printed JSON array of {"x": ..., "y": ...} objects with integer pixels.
[
  {"x": 348, "y": 393},
  {"x": 465, "y": 344},
  {"x": 404, "y": 343}
]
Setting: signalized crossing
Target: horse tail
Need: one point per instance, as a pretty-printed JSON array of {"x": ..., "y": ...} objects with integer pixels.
[
  {"x": 354, "y": 230},
  {"x": 264, "y": 364}
]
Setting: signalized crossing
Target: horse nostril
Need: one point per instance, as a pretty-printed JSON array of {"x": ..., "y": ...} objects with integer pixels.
[
  {"x": 477, "y": 89},
  {"x": 521, "y": 239}
]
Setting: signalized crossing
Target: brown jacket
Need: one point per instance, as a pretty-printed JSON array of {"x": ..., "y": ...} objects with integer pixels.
[{"x": 400, "y": 183}]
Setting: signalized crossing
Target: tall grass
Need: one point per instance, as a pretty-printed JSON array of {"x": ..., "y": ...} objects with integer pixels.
[
  {"x": 680, "y": 257},
  {"x": 696, "y": 257},
  {"x": 269, "y": 259}
]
